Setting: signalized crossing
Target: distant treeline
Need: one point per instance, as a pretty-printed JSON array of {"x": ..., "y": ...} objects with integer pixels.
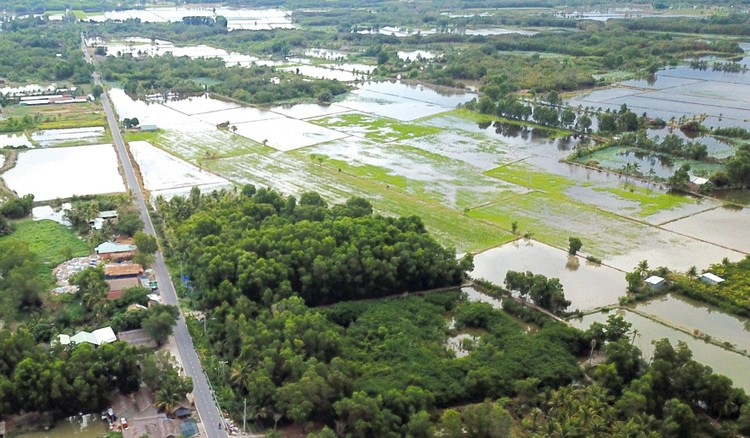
[
  {"x": 720, "y": 24},
  {"x": 39, "y": 7},
  {"x": 36, "y": 50},
  {"x": 257, "y": 85}
]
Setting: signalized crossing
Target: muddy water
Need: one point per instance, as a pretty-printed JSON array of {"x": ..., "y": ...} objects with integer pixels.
[
  {"x": 699, "y": 316},
  {"x": 586, "y": 285},
  {"x": 682, "y": 91},
  {"x": 88, "y": 426},
  {"x": 722, "y": 361},
  {"x": 722, "y": 226},
  {"x": 475, "y": 296}
]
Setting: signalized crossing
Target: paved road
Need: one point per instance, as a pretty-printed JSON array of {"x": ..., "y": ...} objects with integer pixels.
[{"x": 204, "y": 398}]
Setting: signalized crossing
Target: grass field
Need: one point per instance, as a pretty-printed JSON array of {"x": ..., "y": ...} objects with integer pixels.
[
  {"x": 49, "y": 240},
  {"x": 76, "y": 115}
]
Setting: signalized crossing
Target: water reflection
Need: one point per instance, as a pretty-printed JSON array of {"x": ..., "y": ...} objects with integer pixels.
[
  {"x": 586, "y": 286},
  {"x": 722, "y": 361}
]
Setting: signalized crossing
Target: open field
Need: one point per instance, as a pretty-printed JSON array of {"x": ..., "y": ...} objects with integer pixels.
[
  {"x": 50, "y": 241},
  {"x": 74, "y": 115}
]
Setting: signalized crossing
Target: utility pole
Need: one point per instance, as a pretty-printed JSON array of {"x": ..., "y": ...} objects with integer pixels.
[{"x": 244, "y": 416}]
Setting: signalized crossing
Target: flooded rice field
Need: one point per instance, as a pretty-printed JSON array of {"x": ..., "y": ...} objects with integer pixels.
[
  {"x": 57, "y": 137},
  {"x": 246, "y": 19},
  {"x": 64, "y": 172},
  {"x": 15, "y": 141},
  {"x": 330, "y": 55},
  {"x": 286, "y": 134},
  {"x": 725, "y": 226},
  {"x": 403, "y": 101},
  {"x": 308, "y": 110},
  {"x": 166, "y": 175},
  {"x": 416, "y": 54},
  {"x": 324, "y": 72},
  {"x": 199, "y": 104},
  {"x": 161, "y": 48},
  {"x": 453, "y": 184},
  {"x": 237, "y": 115},
  {"x": 724, "y": 97},
  {"x": 586, "y": 285},
  {"x": 448, "y": 162},
  {"x": 731, "y": 364},
  {"x": 705, "y": 318}
]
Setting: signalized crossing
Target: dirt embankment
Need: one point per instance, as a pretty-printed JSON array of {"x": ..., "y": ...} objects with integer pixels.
[{"x": 11, "y": 157}]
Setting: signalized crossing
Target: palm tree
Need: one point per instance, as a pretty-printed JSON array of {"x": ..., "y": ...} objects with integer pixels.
[
  {"x": 635, "y": 333},
  {"x": 240, "y": 374},
  {"x": 692, "y": 272},
  {"x": 643, "y": 268},
  {"x": 167, "y": 400}
]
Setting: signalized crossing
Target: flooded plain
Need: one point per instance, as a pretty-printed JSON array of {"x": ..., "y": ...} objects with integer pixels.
[
  {"x": 56, "y": 137},
  {"x": 723, "y": 97},
  {"x": 166, "y": 175},
  {"x": 63, "y": 172},
  {"x": 705, "y": 318},
  {"x": 586, "y": 285},
  {"x": 245, "y": 19}
]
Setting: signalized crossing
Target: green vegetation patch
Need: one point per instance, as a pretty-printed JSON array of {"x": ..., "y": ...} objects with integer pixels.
[
  {"x": 732, "y": 295},
  {"x": 376, "y": 128},
  {"x": 650, "y": 201},
  {"x": 523, "y": 175},
  {"x": 74, "y": 115},
  {"x": 51, "y": 242}
]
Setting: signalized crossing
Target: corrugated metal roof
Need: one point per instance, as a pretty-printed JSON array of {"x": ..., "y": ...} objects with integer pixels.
[
  {"x": 123, "y": 269},
  {"x": 712, "y": 277},
  {"x": 112, "y": 247}
]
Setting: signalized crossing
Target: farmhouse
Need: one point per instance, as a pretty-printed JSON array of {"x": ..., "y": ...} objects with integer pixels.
[
  {"x": 710, "y": 278},
  {"x": 98, "y": 222},
  {"x": 122, "y": 270},
  {"x": 656, "y": 283},
  {"x": 117, "y": 286},
  {"x": 115, "y": 251},
  {"x": 100, "y": 336}
]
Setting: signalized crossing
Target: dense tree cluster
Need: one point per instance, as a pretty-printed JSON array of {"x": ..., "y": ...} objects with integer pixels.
[
  {"x": 16, "y": 208},
  {"x": 29, "y": 49},
  {"x": 265, "y": 247},
  {"x": 20, "y": 287},
  {"x": 719, "y": 23},
  {"x": 545, "y": 292},
  {"x": 65, "y": 380},
  {"x": 377, "y": 368}
]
